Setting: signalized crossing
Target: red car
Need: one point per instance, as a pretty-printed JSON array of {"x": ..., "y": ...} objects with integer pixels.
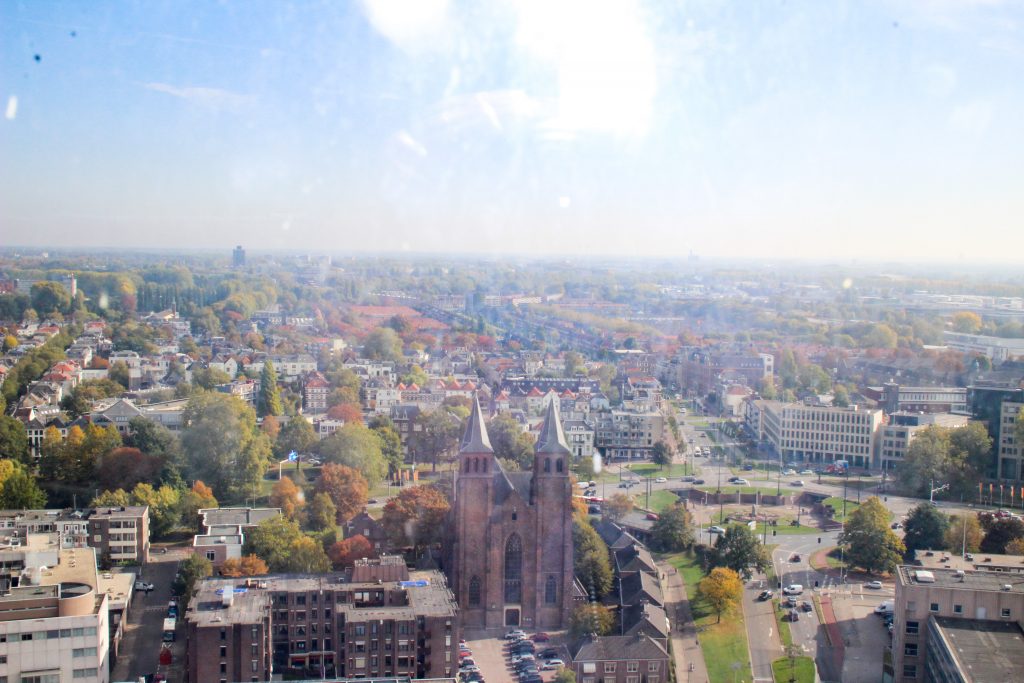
[
  {"x": 541, "y": 637},
  {"x": 652, "y": 516}
]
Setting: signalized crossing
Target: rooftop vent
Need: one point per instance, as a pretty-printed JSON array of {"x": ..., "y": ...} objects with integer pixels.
[
  {"x": 1007, "y": 587},
  {"x": 924, "y": 576}
]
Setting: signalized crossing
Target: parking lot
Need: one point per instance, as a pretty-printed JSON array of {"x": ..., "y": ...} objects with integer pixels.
[
  {"x": 491, "y": 655},
  {"x": 864, "y": 633}
]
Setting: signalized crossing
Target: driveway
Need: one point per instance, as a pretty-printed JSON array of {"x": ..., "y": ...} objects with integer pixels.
[
  {"x": 864, "y": 634},
  {"x": 140, "y": 648}
]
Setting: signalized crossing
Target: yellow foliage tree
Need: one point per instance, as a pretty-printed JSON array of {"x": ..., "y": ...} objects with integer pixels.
[
  {"x": 721, "y": 590},
  {"x": 249, "y": 565}
]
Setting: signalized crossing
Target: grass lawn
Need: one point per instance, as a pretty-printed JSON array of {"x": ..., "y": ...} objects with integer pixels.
[
  {"x": 800, "y": 670},
  {"x": 723, "y": 643},
  {"x": 832, "y": 558},
  {"x": 660, "y": 500},
  {"x": 648, "y": 469},
  {"x": 785, "y": 635},
  {"x": 783, "y": 527},
  {"x": 836, "y": 503}
]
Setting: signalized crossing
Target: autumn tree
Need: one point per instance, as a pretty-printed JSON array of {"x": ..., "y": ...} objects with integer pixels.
[
  {"x": 321, "y": 513},
  {"x": 966, "y": 321},
  {"x": 618, "y": 506},
  {"x": 281, "y": 544},
  {"x": 346, "y": 488},
  {"x": 721, "y": 590},
  {"x": 999, "y": 533},
  {"x": 416, "y": 516},
  {"x": 20, "y": 492},
  {"x": 345, "y": 553},
  {"x": 868, "y": 541},
  {"x": 287, "y": 496},
  {"x": 13, "y": 439},
  {"x": 247, "y": 565},
  {"x": 124, "y": 468},
  {"x": 199, "y": 497},
  {"x": 957, "y": 537},
  {"x": 349, "y": 413}
]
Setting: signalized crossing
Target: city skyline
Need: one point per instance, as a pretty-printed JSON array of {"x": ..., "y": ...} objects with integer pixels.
[{"x": 882, "y": 132}]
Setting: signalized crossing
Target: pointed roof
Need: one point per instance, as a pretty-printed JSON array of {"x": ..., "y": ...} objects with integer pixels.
[
  {"x": 475, "y": 440},
  {"x": 552, "y": 438}
]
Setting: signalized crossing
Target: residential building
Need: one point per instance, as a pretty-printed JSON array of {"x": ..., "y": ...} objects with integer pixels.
[
  {"x": 511, "y": 553},
  {"x": 628, "y": 435},
  {"x": 700, "y": 369},
  {"x": 903, "y": 427},
  {"x": 579, "y": 434},
  {"x": 369, "y": 528},
  {"x": 813, "y": 433},
  {"x": 54, "y": 624},
  {"x": 223, "y": 531},
  {"x": 377, "y": 619},
  {"x": 120, "y": 533},
  {"x": 619, "y": 659},
  {"x": 954, "y": 624},
  {"x": 315, "y": 390}
]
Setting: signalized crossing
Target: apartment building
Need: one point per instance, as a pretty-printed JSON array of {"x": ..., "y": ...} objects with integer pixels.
[
  {"x": 54, "y": 624},
  {"x": 954, "y": 624},
  {"x": 315, "y": 390},
  {"x": 628, "y": 435},
  {"x": 377, "y": 619},
  {"x": 903, "y": 427},
  {"x": 700, "y": 369},
  {"x": 117, "y": 534},
  {"x": 812, "y": 433},
  {"x": 579, "y": 435},
  {"x": 224, "y": 529},
  {"x": 120, "y": 533},
  {"x": 1009, "y": 450}
]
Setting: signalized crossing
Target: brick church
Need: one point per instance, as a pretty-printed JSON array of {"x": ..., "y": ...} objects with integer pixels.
[{"x": 511, "y": 551}]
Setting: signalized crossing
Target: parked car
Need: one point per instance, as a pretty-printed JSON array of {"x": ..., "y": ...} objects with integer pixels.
[
  {"x": 896, "y": 525},
  {"x": 698, "y": 481},
  {"x": 807, "y": 472},
  {"x": 652, "y": 516},
  {"x": 793, "y": 589},
  {"x": 876, "y": 585},
  {"x": 660, "y": 480},
  {"x": 748, "y": 467},
  {"x": 740, "y": 481},
  {"x": 765, "y": 595},
  {"x": 791, "y": 601},
  {"x": 143, "y": 586},
  {"x": 794, "y": 615},
  {"x": 688, "y": 477},
  {"x": 733, "y": 480},
  {"x": 540, "y": 637},
  {"x": 623, "y": 484},
  {"x": 468, "y": 661},
  {"x": 806, "y": 606},
  {"x": 716, "y": 530},
  {"x": 788, "y": 472},
  {"x": 797, "y": 482},
  {"x": 515, "y": 634},
  {"x": 795, "y": 557},
  {"x": 549, "y": 653},
  {"x": 552, "y": 664}
]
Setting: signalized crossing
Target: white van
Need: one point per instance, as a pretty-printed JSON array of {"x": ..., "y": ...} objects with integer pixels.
[
  {"x": 885, "y": 607},
  {"x": 793, "y": 589}
]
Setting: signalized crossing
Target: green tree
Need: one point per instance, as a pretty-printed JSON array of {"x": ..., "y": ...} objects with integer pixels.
[
  {"x": 13, "y": 439},
  {"x": 721, "y": 590},
  {"x": 208, "y": 378},
  {"x": 927, "y": 457},
  {"x": 297, "y": 435},
  {"x": 970, "y": 450},
  {"x": 192, "y": 570},
  {"x": 868, "y": 541},
  {"x": 672, "y": 532},
  {"x": 661, "y": 454},
  {"x": 119, "y": 374},
  {"x": 592, "y": 618},
  {"x": 565, "y": 676},
  {"x": 49, "y": 298},
  {"x": 383, "y": 344},
  {"x": 590, "y": 559},
  {"x": 20, "y": 492},
  {"x": 164, "y": 507},
  {"x": 322, "y": 514},
  {"x": 224, "y": 447},
  {"x": 510, "y": 442},
  {"x": 281, "y": 544},
  {"x": 926, "y": 528},
  {"x": 1000, "y": 533},
  {"x": 840, "y": 396},
  {"x": 739, "y": 549},
  {"x": 574, "y": 364},
  {"x": 436, "y": 437},
  {"x": 269, "y": 400},
  {"x": 881, "y": 336},
  {"x": 390, "y": 446},
  {"x": 357, "y": 447}
]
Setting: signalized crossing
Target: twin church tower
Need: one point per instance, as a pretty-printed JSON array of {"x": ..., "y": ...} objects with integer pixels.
[{"x": 511, "y": 561}]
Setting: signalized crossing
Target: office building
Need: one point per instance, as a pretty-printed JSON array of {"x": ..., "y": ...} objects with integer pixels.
[
  {"x": 811, "y": 433},
  {"x": 238, "y": 257},
  {"x": 903, "y": 427}
]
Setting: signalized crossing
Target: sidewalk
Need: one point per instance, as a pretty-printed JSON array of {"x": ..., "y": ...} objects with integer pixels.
[
  {"x": 835, "y": 637},
  {"x": 685, "y": 647}
]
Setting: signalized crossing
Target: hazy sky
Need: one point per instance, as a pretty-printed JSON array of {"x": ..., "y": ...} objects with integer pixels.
[{"x": 824, "y": 129}]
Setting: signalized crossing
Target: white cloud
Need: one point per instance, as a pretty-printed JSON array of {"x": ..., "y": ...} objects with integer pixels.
[
  {"x": 215, "y": 98},
  {"x": 12, "y": 107},
  {"x": 407, "y": 23}
]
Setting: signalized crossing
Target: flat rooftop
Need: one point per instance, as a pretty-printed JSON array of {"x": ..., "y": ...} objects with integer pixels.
[
  {"x": 983, "y": 650},
  {"x": 970, "y": 580},
  {"x": 940, "y": 559},
  {"x": 215, "y": 540},
  {"x": 237, "y": 516}
]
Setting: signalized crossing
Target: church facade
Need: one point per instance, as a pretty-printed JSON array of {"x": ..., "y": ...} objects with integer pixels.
[{"x": 511, "y": 560}]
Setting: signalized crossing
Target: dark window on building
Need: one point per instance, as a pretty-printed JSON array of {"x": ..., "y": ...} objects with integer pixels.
[
  {"x": 513, "y": 569},
  {"x": 547, "y": 464},
  {"x": 558, "y": 465},
  {"x": 910, "y": 649},
  {"x": 474, "y": 591},
  {"x": 551, "y": 591},
  {"x": 912, "y": 627}
]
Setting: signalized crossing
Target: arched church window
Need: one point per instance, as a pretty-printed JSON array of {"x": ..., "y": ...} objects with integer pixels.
[
  {"x": 558, "y": 465},
  {"x": 547, "y": 464},
  {"x": 474, "y": 591},
  {"x": 514, "y": 569}
]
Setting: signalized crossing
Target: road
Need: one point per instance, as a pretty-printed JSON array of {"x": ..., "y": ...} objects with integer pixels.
[{"x": 140, "y": 649}]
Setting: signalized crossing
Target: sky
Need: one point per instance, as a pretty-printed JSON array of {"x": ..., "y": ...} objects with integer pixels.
[{"x": 861, "y": 130}]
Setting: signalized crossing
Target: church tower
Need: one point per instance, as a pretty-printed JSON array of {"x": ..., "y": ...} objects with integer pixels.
[
  {"x": 511, "y": 551},
  {"x": 551, "y": 495}
]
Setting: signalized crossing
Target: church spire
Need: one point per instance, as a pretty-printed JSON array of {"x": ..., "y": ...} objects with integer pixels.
[
  {"x": 552, "y": 438},
  {"x": 475, "y": 440}
]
